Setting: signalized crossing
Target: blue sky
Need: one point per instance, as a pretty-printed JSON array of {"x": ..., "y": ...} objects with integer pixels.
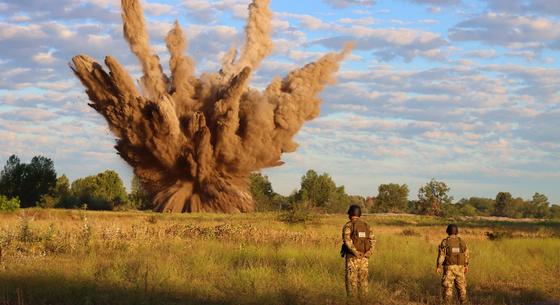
[{"x": 462, "y": 91}]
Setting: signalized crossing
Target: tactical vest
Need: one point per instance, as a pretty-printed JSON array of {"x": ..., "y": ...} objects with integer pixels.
[
  {"x": 455, "y": 255},
  {"x": 360, "y": 237}
]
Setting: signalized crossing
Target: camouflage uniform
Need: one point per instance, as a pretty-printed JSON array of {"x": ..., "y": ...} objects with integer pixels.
[
  {"x": 356, "y": 268},
  {"x": 453, "y": 274}
]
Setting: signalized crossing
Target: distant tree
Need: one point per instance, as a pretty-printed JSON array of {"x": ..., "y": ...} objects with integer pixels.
[
  {"x": 517, "y": 208},
  {"x": 482, "y": 206},
  {"x": 138, "y": 197},
  {"x": 554, "y": 211},
  {"x": 458, "y": 209},
  {"x": 62, "y": 187},
  {"x": 63, "y": 194},
  {"x": 322, "y": 192},
  {"x": 413, "y": 207},
  {"x": 432, "y": 196},
  {"x": 371, "y": 203},
  {"x": 503, "y": 201},
  {"x": 28, "y": 182},
  {"x": 539, "y": 206},
  {"x": 392, "y": 198},
  {"x": 104, "y": 191},
  {"x": 316, "y": 189},
  {"x": 11, "y": 177},
  {"x": 468, "y": 210},
  {"x": 338, "y": 201},
  {"x": 359, "y": 200},
  {"x": 263, "y": 195}
]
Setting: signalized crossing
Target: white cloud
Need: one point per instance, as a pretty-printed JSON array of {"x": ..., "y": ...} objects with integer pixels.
[
  {"x": 347, "y": 3},
  {"x": 390, "y": 43},
  {"x": 508, "y": 30},
  {"x": 157, "y": 9},
  {"x": 44, "y": 58}
]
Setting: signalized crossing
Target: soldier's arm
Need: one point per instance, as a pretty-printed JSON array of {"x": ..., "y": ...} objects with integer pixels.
[
  {"x": 372, "y": 243},
  {"x": 467, "y": 255},
  {"x": 441, "y": 254},
  {"x": 347, "y": 239}
]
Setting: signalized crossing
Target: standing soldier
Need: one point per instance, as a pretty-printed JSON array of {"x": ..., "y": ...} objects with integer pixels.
[
  {"x": 358, "y": 244},
  {"x": 453, "y": 255}
]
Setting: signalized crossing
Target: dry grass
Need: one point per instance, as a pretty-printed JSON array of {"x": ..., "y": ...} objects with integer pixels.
[{"x": 77, "y": 257}]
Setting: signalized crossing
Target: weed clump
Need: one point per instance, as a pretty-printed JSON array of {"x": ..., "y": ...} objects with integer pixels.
[
  {"x": 498, "y": 235},
  {"x": 410, "y": 232}
]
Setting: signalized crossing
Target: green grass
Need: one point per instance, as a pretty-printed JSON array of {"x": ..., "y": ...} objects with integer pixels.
[{"x": 76, "y": 257}]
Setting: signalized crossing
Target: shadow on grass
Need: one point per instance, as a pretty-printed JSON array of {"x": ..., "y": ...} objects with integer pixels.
[
  {"x": 513, "y": 296},
  {"x": 52, "y": 290},
  {"x": 427, "y": 290}
]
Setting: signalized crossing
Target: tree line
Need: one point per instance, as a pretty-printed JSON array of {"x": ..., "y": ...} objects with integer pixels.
[
  {"x": 320, "y": 192},
  {"x": 37, "y": 184}
]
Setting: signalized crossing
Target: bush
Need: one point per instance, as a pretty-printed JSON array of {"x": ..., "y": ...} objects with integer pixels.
[
  {"x": 104, "y": 191},
  {"x": 298, "y": 213},
  {"x": 8, "y": 205},
  {"x": 497, "y": 235}
]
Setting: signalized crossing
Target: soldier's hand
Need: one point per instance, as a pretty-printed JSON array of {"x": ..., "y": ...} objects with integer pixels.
[
  {"x": 466, "y": 269},
  {"x": 438, "y": 270}
]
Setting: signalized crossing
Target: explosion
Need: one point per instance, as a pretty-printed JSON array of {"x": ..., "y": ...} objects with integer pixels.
[{"x": 194, "y": 141}]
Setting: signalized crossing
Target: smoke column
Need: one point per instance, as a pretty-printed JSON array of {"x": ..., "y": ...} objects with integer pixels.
[{"x": 193, "y": 141}]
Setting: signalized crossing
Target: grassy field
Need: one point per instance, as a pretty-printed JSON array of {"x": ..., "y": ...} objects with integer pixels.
[{"x": 77, "y": 257}]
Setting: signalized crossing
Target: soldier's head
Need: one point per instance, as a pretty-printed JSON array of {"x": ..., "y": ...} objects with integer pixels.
[
  {"x": 452, "y": 229},
  {"x": 354, "y": 211}
]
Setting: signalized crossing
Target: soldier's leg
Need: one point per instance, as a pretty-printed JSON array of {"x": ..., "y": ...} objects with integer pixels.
[
  {"x": 461, "y": 285},
  {"x": 447, "y": 281},
  {"x": 363, "y": 283},
  {"x": 351, "y": 278}
]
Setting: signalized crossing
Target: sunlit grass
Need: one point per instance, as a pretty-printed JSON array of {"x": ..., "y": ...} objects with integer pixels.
[{"x": 77, "y": 257}]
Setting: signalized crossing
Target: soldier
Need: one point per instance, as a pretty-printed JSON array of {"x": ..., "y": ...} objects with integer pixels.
[
  {"x": 358, "y": 244},
  {"x": 453, "y": 255}
]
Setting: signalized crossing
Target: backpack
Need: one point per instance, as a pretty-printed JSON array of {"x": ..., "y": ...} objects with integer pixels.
[
  {"x": 360, "y": 238},
  {"x": 455, "y": 254}
]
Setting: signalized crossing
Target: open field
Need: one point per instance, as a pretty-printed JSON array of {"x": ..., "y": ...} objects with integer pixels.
[{"x": 77, "y": 257}]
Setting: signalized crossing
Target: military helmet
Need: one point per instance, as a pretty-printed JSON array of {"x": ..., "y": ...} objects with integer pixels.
[
  {"x": 355, "y": 210},
  {"x": 452, "y": 229}
]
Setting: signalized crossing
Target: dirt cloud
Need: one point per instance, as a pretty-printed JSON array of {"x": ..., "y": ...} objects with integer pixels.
[{"x": 193, "y": 141}]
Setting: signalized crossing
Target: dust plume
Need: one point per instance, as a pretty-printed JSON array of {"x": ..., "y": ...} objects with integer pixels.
[{"x": 193, "y": 141}]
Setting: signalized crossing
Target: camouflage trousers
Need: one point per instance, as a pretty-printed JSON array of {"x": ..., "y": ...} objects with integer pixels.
[
  {"x": 357, "y": 278},
  {"x": 454, "y": 275}
]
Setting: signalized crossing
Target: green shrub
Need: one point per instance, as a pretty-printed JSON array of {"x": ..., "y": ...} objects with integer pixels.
[
  {"x": 298, "y": 213},
  {"x": 8, "y": 205}
]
